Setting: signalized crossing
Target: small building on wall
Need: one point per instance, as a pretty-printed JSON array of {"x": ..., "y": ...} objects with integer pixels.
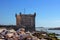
[{"x": 26, "y": 21}]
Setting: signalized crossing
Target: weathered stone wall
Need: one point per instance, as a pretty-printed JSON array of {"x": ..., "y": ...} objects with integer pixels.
[{"x": 26, "y": 20}]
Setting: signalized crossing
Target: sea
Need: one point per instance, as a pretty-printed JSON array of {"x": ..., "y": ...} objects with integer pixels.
[{"x": 48, "y": 31}]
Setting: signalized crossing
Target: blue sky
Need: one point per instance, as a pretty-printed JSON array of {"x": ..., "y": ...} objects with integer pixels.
[{"x": 47, "y": 11}]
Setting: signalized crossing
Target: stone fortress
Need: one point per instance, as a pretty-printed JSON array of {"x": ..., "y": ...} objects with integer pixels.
[{"x": 26, "y": 21}]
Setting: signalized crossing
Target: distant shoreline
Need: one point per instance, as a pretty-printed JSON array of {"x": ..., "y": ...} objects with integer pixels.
[{"x": 54, "y": 29}]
